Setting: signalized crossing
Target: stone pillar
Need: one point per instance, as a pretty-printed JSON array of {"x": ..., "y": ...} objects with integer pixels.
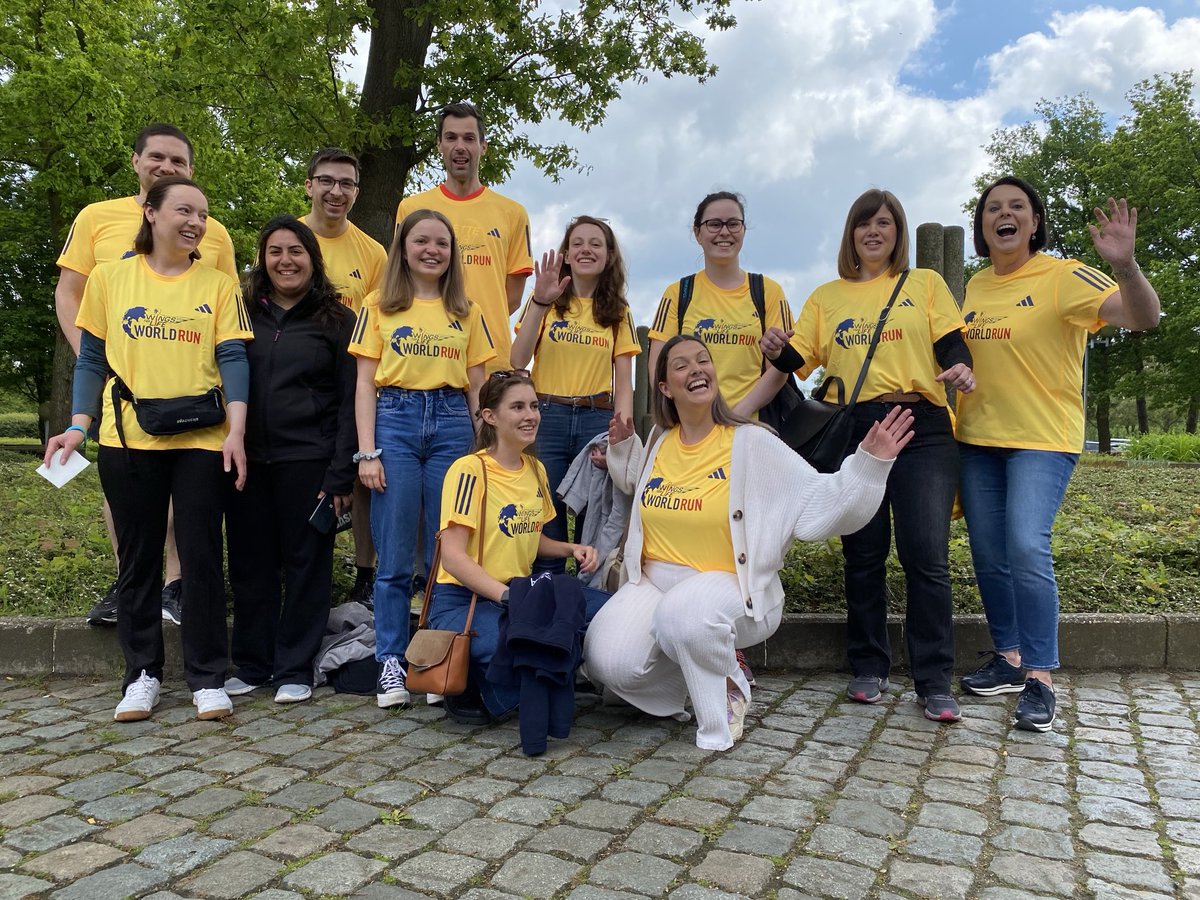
[
  {"x": 953, "y": 244},
  {"x": 641, "y": 381},
  {"x": 930, "y": 247}
]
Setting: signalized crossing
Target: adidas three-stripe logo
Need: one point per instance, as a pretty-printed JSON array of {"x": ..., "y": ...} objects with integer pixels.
[
  {"x": 356, "y": 274},
  {"x": 495, "y": 232},
  {"x": 718, "y": 473},
  {"x": 204, "y": 308},
  {"x": 1028, "y": 301},
  {"x": 464, "y": 494},
  {"x": 455, "y": 324},
  {"x": 905, "y": 302}
]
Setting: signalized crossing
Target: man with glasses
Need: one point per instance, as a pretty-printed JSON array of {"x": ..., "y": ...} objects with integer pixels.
[
  {"x": 354, "y": 262},
  {"x": 492, "y": 230}
]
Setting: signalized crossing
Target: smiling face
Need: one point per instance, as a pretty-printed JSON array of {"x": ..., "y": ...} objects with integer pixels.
[
  {"x": 875, "y": 241},
  {"x": 690, "y": 377},
  {"x": 161, "y": 156},
  {"x": 515, "y": 416},
  {"x": 587, "y": 250},
  {"x": 1008, "y": 224},
  {"x": 333, "y": 189},
  {"x": 288, "y": 265},
  {"x": 461, "y": 148},
  {"x": 722, "y": 246},
  {"x": 180, "y": 221},
  {"x": 427, "y": 252}
]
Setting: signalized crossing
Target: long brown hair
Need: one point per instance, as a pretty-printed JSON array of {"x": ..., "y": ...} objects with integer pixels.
[
  {"x": 609, "y": 306},
  {"x": 491, "y": 395},
  {"x": 665, "y": 414},
  {"x": 155, "y": 198},
  {"x": 398, "y": 288}
]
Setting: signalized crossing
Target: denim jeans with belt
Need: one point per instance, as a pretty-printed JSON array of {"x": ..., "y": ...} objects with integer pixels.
[
  {"x": 421, "y": 433},
  {"x": 1011, "y": 498},
  {"x": 919, "y": 498},
  {"x": 448, "y": 610},
  {"x": 564, "y": 433}
]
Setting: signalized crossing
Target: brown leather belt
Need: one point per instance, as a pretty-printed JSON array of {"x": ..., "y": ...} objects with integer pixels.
[
  {"x": 592, "y": 401},
  {"x": 898, "y": 397}
]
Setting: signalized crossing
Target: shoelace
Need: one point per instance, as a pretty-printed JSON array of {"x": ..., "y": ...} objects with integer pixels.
[
  {"x": 392, "y": 677},
  {"x": 141, "y": 690},
  {"x": 206, "y": 696}
]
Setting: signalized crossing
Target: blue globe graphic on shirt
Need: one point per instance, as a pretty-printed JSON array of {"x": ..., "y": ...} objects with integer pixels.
[
  {"x": 136, "y": 314},
  {"x": 654, "y": 483},
  {"x": 969, "y": 317},
  {"x": 399, "y": 335},
  {"x": 507, "y": 514},
  {"x": 704, "y": 325},
  {"x": 556, "y": 328},
  {"x": 840, "y": 333}
]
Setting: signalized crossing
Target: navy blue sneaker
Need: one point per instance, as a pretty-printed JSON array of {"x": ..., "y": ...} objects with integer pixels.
[
  {"x": 1035, "y": 707},
  {"x": 996, "y": 676}
]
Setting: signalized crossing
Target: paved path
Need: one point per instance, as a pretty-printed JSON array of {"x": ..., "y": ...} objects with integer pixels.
[{"x": 820, "y": 799}]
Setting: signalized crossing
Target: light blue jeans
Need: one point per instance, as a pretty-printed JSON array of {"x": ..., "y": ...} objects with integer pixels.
[
  {"x": 420, "y": 433},
  {"x": 1010, "y": 498}
]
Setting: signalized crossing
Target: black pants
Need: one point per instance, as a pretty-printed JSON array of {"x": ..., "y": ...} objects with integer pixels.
[
  {"x": 919, "y": 497},
  {"x": 281, "y": 572},
  {"x": 140, "y": 485}
]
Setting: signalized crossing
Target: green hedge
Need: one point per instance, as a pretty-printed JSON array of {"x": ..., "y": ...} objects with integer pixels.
[
  {"x": 19, "y": 425},
  {"x": 1171, "y": 446}
]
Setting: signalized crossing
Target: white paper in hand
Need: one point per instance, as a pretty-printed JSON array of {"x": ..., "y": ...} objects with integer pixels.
[{"x": 59, "y": 473}]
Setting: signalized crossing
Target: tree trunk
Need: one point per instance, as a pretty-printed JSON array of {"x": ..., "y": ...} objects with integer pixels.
[
  {"x": 57, "y": 414},
  {"x": 1143, "y": 417},
  {"x": 1103, "y": 425},
  {"x": 1193, "y": 413},
  {"x": 399, "y": 44}
]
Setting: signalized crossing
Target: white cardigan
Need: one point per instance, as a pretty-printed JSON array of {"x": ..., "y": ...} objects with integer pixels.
[{"x": 774, "y": 497}]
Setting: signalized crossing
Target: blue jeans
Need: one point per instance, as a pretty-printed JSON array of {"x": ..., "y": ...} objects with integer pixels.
[
  {"x": 919, "y": 499},
  {"x": 448, "y": 610},
  {"x": 564, "y": 433},
  {"x": 420, "y": 433},
  {"x": 1010, "y": 498}
]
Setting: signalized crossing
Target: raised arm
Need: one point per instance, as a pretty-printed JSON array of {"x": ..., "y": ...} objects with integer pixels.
[{"x": 1135, "y": 306}]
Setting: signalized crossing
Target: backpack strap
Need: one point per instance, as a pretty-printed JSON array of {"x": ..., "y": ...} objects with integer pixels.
[{"x": 686, "y": 285}]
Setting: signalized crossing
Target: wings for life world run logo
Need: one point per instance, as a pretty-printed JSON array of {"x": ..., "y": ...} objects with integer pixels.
[
  {"x": 139, "y": 322},
  {"x": 858, "y": 332},
  {"x": 470, "y": 253},
  {"x": 718, "y": 331},
  {"x": 564, "y": 332},
  {"x": 515, "y": 520},
  {"x": 981, "y": 327},
  {"x": 409, "y": 341},
  {"x": 661, "y": 494}
]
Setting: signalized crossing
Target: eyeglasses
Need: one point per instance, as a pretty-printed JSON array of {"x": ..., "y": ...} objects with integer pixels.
[
  {"x": 733, "y": 226},
  {"x": 510, "y": 373},
  {"x": 346, "y": 184}
]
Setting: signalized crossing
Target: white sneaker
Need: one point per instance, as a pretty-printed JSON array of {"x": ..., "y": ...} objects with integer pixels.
[
  {"x": 434, "y": 699},
  {"x": 235, "y": 687},
  {"x": 212, "y": 703},
  {"x": 735, "y": 710},
  {"x": 292, "y": 693},
  {"x": 390, "y": 689},
  {"x": 141, "y": 696}
]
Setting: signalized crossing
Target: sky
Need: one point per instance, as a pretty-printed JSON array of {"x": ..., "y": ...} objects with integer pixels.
[{"x": 816, "y": 101}]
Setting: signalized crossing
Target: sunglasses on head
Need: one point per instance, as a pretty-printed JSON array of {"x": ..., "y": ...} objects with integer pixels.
[{"x": 509, "y": 373}]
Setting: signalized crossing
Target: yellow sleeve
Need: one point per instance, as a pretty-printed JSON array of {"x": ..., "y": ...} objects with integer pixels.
[
  {"x": 1081, "y": 291},
  {"x": 627, "y": 341},
  {"x": 366, "y": 340},
  {"x": 480, "y": 348},
  {"x": 226, "y": 262},
  {"x": 524, "y": 311},
  {"x": 520, "y": 253},
  {"x": 944, "y": 314},
  {"x": 378, "y": 263},
  {"x": 776, "y": 306},
  {"x": 807, "y": 337},
  {"x": 462, "y": 491},
  {"x": 230, "y": 314},
  {"x": 93, "y": 308},
  {"x": 77, "y": 254},
  {"x": 666, "y": 320}
]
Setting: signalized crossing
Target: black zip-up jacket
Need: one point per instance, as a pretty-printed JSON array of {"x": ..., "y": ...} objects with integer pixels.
[{"x": 302, "y": 379}]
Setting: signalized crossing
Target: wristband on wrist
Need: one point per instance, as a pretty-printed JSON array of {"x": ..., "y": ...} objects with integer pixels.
[
  {"x": 539, "y": 303},
  {"x": 1123, "y": 274},
  {"x": 78, "y": 428},
  {"x": 366, "y": 454}
]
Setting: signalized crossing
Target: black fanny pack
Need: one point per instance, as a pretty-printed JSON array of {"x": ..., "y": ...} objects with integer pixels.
[{"x": 168, "y": 415}]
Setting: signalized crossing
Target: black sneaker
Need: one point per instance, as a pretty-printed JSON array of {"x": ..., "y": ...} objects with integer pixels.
[
  {"x": 1035, "y": 707},
  {"x": 996, "y": 676},
  {"x": 105, "y": 611},
  {"x": 172, "y": 602},
  {"x": 363, "y": 592},
  {"x": 467, "y": 709}
]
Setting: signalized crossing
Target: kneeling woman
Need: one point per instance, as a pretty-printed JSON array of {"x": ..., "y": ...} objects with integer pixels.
[
  {"x": 497, "y": 497},
  {"x": 718, "y": 500}
]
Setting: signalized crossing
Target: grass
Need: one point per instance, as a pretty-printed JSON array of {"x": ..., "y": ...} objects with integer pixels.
[{"x": 1127, "y": 540}]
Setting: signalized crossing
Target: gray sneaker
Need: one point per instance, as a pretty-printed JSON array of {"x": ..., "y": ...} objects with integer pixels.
[{"x": 866, "y": 688}]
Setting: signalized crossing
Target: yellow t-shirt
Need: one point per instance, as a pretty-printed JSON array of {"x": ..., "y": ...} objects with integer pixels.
[
  {"x": 727, "y": 321},
  {"x": 160, "y": 335},
  {"x": 1027, "y": 332},
  {"x": 493, "y": 242},
  {"x": 518, "y": 505},
  {"x": 685, "y": 504},
  {"x": 574, "y": 356},
  {"x": 422, "y": 348},
  {"x": 839, "y": 318},
  {"x": 354, "y": 262},
  {"x": 105, "y": 231}
]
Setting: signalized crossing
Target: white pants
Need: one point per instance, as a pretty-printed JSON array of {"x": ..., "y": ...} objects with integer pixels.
[{"x": 672, "y": 636}]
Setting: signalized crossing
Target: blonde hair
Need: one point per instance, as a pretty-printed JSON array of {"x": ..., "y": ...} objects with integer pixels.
[{"x": 398, "y": 288}]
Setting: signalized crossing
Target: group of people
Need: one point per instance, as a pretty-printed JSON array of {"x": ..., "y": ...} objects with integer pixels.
[{"x": 383, "y": 383}]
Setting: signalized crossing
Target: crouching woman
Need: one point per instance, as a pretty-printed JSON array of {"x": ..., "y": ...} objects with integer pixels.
[{"x": 717, "y": 501}]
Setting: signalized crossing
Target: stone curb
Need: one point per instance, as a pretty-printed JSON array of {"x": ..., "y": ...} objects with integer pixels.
[{"x": 808, "y": 642}]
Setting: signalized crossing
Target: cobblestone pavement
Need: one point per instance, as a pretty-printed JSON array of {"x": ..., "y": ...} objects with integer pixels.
[{"x": 820, "y": 799}]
